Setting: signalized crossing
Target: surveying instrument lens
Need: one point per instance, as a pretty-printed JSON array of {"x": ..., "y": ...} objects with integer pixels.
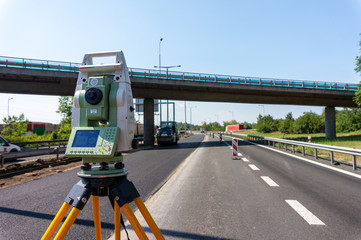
[
  {"x": 102, "y": 128},
  {"x": 93, "y": 96}
]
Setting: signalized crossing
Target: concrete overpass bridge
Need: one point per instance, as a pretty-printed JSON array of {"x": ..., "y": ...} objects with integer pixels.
[{"x": 45, "y": 77}]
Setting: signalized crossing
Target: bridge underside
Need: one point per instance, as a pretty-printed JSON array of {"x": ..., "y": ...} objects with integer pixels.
[
  {"x": 225, "y": 92},
  {"x": 30, "y": 81},
  {"x": 40, "y": 82}
]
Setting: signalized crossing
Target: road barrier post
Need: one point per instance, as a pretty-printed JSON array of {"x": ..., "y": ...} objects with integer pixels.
[
  {"x": 331, "y": 153},
  {"x": 354, "y": 164},
  {"x": 235, "y": 148},
  {"x": 315, "y": 153}
]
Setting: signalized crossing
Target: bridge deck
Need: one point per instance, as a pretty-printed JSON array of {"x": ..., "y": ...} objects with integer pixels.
[{"x": 34, "y": 76}]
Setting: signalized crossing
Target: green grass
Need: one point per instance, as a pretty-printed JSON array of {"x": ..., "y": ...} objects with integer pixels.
[{"x": 350, "y": 140}]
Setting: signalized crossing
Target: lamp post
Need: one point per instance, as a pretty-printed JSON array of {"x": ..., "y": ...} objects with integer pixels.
[
  {"x": 185, "y": 117},
  {"x": 263, "y": 109},
  {"x": 8, "y": 105},
  {"x": 160, "y": 59},
  {"x": 190, "y": 109},
  {"x": 165, "y": 67},
  {"x": 160, "y": 101},
  {"x": 232, "y": 115}
]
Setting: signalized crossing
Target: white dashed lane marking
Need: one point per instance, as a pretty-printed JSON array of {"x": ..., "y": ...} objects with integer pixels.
[
  {"x": 269, "y": 181},
  {"x": 245, "y": 160},
  {"x": 304, "y": 213},
  {"x": 253, "y": 167}
]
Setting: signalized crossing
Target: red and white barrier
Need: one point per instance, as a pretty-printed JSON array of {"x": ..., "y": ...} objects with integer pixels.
[{"x": 235, "y": 147}]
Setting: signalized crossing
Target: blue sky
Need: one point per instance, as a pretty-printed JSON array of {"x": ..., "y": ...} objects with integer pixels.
[{"x": 302, "y": 40}]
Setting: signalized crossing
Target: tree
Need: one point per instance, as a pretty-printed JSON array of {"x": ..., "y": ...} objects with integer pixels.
[
  {"x": 15, "y": 126},
  {"x": 309, "y": 122},
  {"x": 357, "y": 97},
  {"x": 64, "y": 109},
  {"x": 286, "y": 126},
  {"x": 348, "y": 120},
  {"x": 266, "y": 124}
]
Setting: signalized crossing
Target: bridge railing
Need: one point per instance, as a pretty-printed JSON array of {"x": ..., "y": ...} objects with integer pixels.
[
  {"x": 241, "y": 80},
  {"x": 48, "y": 65},
  {"x": 39, "y": 64}
]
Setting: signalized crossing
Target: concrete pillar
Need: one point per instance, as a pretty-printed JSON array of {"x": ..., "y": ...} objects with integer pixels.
[
  {"x": 149, "y": 121},
  {"x": 330, "y": 122}
]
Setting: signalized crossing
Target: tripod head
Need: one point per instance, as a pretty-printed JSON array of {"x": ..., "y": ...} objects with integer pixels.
[{"x": 103, "y": 112}]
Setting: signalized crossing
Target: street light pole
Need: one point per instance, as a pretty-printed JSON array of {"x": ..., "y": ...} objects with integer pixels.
[
  {"x": 185, "y": 117},
  {"x": 263, "y": 109},
  {"x": 191, "y": 117},
  {"x": 160, "y": 69},
  {"x": 165, "y": 67},
  {"x": 8, "y": 105},
  {"x": 160, "y": 62}
]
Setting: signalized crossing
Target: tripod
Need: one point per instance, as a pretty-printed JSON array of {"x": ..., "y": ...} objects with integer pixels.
[{"x": 120, "y": 192}]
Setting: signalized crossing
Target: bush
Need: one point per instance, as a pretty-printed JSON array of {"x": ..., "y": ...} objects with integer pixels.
[
  {"x": 266, "y": 124},
  {"x": 286, "y": 125},
  {"x": 310, "y": 122}
]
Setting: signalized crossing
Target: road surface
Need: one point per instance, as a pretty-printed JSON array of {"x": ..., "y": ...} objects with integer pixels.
[
  {"x": 262, "y": 195},
  {"x": 26, "y": 210}
]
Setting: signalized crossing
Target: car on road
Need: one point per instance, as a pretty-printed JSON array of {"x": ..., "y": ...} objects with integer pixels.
[
  {"x": 5, "y": 146},
  {"x": 167, "y": 134}
]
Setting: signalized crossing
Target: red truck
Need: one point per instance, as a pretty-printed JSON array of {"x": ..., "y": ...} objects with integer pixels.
[{"x": 236, "y": 127}]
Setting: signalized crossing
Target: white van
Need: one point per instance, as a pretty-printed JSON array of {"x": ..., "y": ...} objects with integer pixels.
[{"x": 5, "y": 146}]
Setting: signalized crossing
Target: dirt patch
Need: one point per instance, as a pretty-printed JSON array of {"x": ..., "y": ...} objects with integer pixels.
[
  {"x": 25, "y": 172},
  {"x": 18, "y": 173}
]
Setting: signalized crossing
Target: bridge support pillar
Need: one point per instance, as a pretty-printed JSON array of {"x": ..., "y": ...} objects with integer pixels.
[
  {"x": 330, "y": 122},
  {"x": 149, "y": 121}
]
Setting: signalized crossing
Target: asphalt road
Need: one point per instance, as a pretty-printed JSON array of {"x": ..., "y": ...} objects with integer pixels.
[
  {"x": 26, "y": 210},
  {"x": 262, "y": 195}
]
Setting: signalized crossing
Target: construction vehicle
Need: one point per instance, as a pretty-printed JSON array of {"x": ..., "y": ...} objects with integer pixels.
[{"x": 167, "y": 134}]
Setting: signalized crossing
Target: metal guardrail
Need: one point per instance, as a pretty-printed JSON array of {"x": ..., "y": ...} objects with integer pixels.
[
  {"x": 39, "y": 64},
  {"x": 14, "y": 155},
  {"x": 44, "y": 143},
  {"x": 182, "y": 76},
  {"x": 332, "y": 149}
]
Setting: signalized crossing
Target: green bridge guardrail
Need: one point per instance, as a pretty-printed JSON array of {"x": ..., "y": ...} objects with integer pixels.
[{"x": 49, "y": 65}]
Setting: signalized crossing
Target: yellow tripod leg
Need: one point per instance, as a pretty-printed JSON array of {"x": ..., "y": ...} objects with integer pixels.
[
  {"x": 134, "y": 222},
  {"x": 56, "y": 221},
  {"x": 148, "y": 218},
  {"x": 67, "y": 224},
  {"x": 116, "y": 220},
  {"x": 97, "y": 223}
]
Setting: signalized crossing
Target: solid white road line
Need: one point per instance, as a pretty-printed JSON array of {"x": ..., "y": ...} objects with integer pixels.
[
  {"x": 245, "y": 160},
  {"x": 253, "y": 167},
  {"x": 269, "y": 181},
  {"x": 307, "y": 160},
  {"x": 240, "y": 154},
  {"x": 304, "y": 213}
]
